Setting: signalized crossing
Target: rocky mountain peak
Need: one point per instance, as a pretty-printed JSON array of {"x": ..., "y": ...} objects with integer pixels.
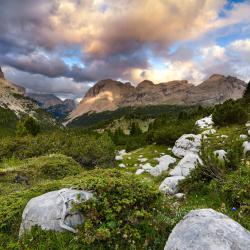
[
  {"x": 216, "y": 77},
  {"x": 145, "y": 84},
  {"x": 103, "y": 85},
  {"x": 1, "y": 73}
]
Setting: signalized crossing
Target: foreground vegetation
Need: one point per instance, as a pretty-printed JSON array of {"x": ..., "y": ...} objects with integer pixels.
[{"x": 128, "y": 211}]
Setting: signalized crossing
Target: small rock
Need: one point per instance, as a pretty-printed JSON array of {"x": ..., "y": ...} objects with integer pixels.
[
  {"x": 170, "y": 185},
  {"x": 205, "y": 123},
  {"x": 139, "y": 171},
  {"x": 180, "y": 196},
  {"x": 209, "y": 132},
  {"x": 143, "y": 159},
  {"x": 122, "y": 152},
  {"x": 221, "y": 154},
  {"x": 246, "y": 146},
  {"x": 224, "y": 136},
  {"x": 119, "y": 158},
  {"x": 243, "y": 137},
  {"x": 146, "y": 166},
  {"x": 122, "y": 165}
]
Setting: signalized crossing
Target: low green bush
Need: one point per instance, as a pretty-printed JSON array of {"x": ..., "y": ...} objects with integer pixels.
[
  {"x": 89, "y": 150},
  {"x": 55, "y": 166},
  {"x": 236, "y": 188},
  {"x": 128, "y": 212}
]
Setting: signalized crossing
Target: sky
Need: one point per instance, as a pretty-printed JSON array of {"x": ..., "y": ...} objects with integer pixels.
[{"x": 65, "y": 46}]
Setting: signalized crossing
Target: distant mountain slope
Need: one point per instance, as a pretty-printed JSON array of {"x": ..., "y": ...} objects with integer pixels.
[
  {"x": 110, "y": 95},
  {"x": 45, "y": 100},
  {"x": 54, "y": 105},
  {"x": 14, "y": 105}
]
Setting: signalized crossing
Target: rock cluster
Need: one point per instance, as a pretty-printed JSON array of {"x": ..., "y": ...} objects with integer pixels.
[{"x": 187, "y": 148}]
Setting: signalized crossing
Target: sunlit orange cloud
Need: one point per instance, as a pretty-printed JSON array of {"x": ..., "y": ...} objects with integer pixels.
[{"x": 125, "y": 23}]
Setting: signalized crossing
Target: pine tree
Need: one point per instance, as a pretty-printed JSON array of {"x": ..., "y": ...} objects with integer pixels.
[
  {"x": 135, "y": 129},
  {"x": 247, "y": 92},
  {"x": 27, "y": 126}
]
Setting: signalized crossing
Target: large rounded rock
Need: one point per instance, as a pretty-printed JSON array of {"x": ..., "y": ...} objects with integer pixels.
[
  {"x": 52, "y": 211},
  {"x": 187, "y": 143},
  {"x": 186, "y": 165},
  {"x": 206, "y": 229}
]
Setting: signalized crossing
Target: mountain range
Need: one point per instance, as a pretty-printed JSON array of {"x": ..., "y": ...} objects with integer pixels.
[
  {"x": 54, "y": 105},
  {"x": 110, "y": 94}
]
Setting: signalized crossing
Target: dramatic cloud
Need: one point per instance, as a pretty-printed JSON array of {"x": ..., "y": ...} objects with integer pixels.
[{"x": 82, "y": 41}]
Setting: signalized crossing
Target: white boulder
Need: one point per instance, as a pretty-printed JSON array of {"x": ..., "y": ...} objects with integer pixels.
[
  {"x": 205, "y": 123},
  {"x": 170, "y": 185},
  {"x": 248, "y": 132},
  {"x": 248, "y": 124},
  {"x": 185, "y": 165},
  {"x": 246, "y": 147},
  {"x": 187, "y": 143},
  {"x": 220, "y": 154},
  {"x": 206, "y": 229},
  {"x": 52, "y": 211}
]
